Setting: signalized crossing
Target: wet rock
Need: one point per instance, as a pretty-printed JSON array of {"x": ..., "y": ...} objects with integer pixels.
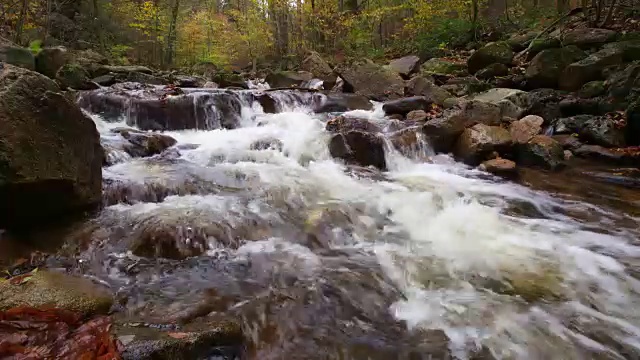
[
  {"x": 267, "y": 144},
  {"x": 104, "y": 80},
  {"x": 599, "y": 130},
  {"x": 13, "y": 54},
  {"x": 589, "y": 37},
  {"x": 588, "y": 69},
  {"x": 75, "y": 77},
  {"x": 443, "y": 131},
  {"x": 632, "y": 130},
  {"x": 211, "y": 341},
  {"x": 568, "y": 142},
  {"x": 410, "y": 142},
  {"x": 50, "y": 152},
  {"x": 493, "y": 70},
  {"x": 54, "y": 289},
  {"x": 421, "y": 86},
  {"x": 190, "y": 81},
  {"x": 545, "y": 68},
  {"x": 405, "y": 66},
  {"x": 210, "y": 85},
  {"x": 372, "y": 80},
  {"x": 541, "y": 151},
  {"x": 417, "y": 116},
  {"x": 476, "y": 143},
  {"x": 50, "y": 60},
  {"x": 571, "y": 106},
  {"x": 285, "y": 79},
  {"x": 545, "y": 103},
  {"x": 442, "y": 66},
  {"x": 495, "y": 52},
  {"x": 526, "y": 128},
  {"x": 269, "y": 105},
  {"x": 512, "y": 102},
  {"x": 316, "y": 65},
  {"x": 348, "y": 123},
  {"x": 359, "y": 148},
  {"x": 500, "y": 167},
  {"x": 406, "y": 105},
  {"x": 343, "y": 103},
  {"x": 609, "y": 156},
  {"x": 592, "y": 89},
  {"x": 145, "y": 143},
  {"x": 630, "y": 49}
]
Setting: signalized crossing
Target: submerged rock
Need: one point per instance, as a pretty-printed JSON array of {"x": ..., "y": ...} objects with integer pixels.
[
  {"x": 50, "y": 152},
  {"x": 54, "y": 289}
]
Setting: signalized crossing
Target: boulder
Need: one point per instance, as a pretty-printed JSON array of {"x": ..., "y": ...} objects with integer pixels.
[
  {"x": 410, "y": 142},
  {"x": 89, "y": 58},
  {"x": 519, "y": 42},
  {"x": 346, "y": 123},
  {"x": 405, "y": 66},
  {"x": 598, "y": 130},
  {"x": 342, "y": 103},
  {"x": 589, "y": 37},
  {"x": 372, "y": 80},
  {"x": 632, "y": 131},
  {"x": 500, "y": 167},
  {"x": 592, "y": 89},
  {"x": 50, "y": 151},
  {"x": 441, "y": 66},
  {"x": 495, "y": 52},
  {"x": 316, "y": 65},
  {"x": 571, "y": 106},
  {"x": 190, "y": 82},
  {"x": 286, "y": 79},
  {"x": 443, "y": 131},
  {"x": 512, "y": 102},
  {"x": 57, "y": 290},
  {"x": 545, "y": 103},
  {"x": 205, "y": 69},
  {"x": 75, "y": 77},
  {"x": 545, "y": 68},
  {"x": 541, "y": 151},
  {"x": 421, "y": 86},
  {"x": 493, "y": 70},
  {"x": 144, "y": 78},
  {"x": 476, "y": 143},
  {"x": 142, "y": 143},
  {"x": 125, "y": 69},
  {"x": 50, "y": 60},
  {"x": 526, "y": 128},
  {"x": 104, "y": 80},
  {"x": 623, "y": 85},
  {"x": 417, "y": 116},
  {"x": 359, "y": 148},
  {"x": 13, "y": 54},
  {"x": 588, "y": 69},
  {"x": 538, "y": 45},
  {"x": 568, "y": 141},
  {"x": 608, "y": 156},
  {"x": 630, "y": 49},
  {"x": 405, "y": 105},
  {"x": 229, "y": 79}
]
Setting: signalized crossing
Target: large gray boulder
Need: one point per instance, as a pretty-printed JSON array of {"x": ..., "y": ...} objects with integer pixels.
[
  {"x": 372, "y": 80},
  {"x": 50, "y": 60},
  {"x": 545, "y": 68},
  {"x": 50, "y": 154},
  {"x": 590, "y": 68},
  {"x": 589, "y": 37},
  {"x": 316, "y": 65},
  {"x": 285, "y": 79},
  {"x": 422, "y": 86},
  {"x": 405, "y": 66},
  {"x": 476, "y": 143},
  {"x": 512, "y": 102}
]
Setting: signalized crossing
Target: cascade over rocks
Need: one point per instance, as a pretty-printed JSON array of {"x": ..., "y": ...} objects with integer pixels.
[
  {"x": 372, "y": 80},
  {"x": 492, "y": 53},
  {"x": 50, "y": 152}
]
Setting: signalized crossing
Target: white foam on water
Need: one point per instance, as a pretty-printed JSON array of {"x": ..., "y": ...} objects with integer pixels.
[{"x": 455, "y": 231}]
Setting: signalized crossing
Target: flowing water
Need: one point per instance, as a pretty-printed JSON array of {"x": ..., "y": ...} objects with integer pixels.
[{"x": 317, "y": 260}]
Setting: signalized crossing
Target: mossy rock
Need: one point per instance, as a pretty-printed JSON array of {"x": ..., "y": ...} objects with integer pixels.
[
  {"x": 545, "y": 68},
  {"x": 496, "y": 52},
  {"x": 592, "y": 89},
  {"x": 442, "y": 66},
  {"x": 229, "y": 79},
  {"x": 536, "y": 46},
  {"x": 76, "y": 77},
  {"x": 16, "y": 55},
  {"x": 55, "y": 289}
]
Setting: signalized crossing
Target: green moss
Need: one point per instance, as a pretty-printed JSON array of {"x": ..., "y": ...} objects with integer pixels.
[{"x": 442, "y": 66}]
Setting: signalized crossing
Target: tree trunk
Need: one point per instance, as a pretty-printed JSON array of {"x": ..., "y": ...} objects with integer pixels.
[
  {"x": 171, "y": 36},
  {"x": 21, "y": 19}
]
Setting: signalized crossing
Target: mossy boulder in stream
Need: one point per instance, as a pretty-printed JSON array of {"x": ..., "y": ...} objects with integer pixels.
[
  {"x": 54, "y": 289},
  {"x": 50, "y": 154},
  {"x": 76, "y": 77}
]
